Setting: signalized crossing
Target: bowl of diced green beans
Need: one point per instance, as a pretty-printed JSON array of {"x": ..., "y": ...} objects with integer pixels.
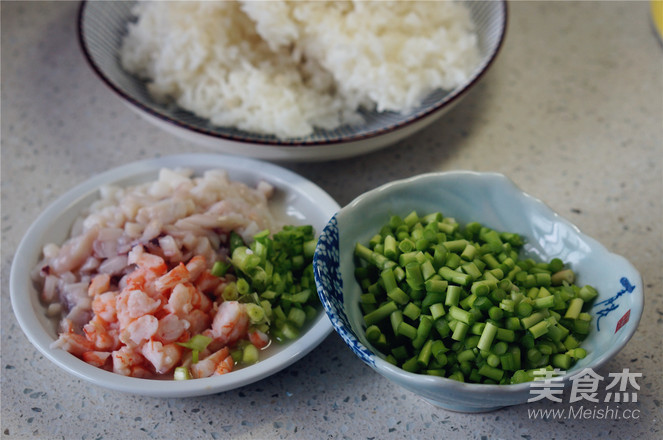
[{"x": 465, "y": 290}]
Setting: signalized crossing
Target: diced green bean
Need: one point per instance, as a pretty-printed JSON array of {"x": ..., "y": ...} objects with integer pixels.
[
  {"x": 437, "y": 310},
  {"x": 456, "y": 246},
  {"x": 423, "y": 330},
  {"x": 491, "y": 372},
  {"x": 380, "y": 313},
  {"x": 373, "y": 333},
  {"x": 495, "y": 313},
  {"x": 413, "y": 275},
  {"x": 504, "y": 334},
  {"x": 442, "y": 327},
  {"x": 575, "y": 307},
  {"x": 532, "y": 319},
  {"x": 487, "y": 336},
  {"x": 460, "y": 315},
  {"x": 477, "y": 328},
  {"x": 453, "y": 295},
  {"x": 454, "y": 276},
  {"x": 411, "y": 365},
  {"x": 469, "y": 253},
  {"x": 425, "y": 354},
  {"x": 467, "y": 302},
  {"x": 524, "y": 309},
  {"x": 431, "y": 298},
  {"x": 405, "y": 329},
  {"x": 460, "y": 331},
  {"x": 453, "y": 261},
  {"x": 539, "y": 329},
  {"x": 412, "y": 311},
  {"x": 483, "y": 303},
  {"x": 466, "y": 355},
  {"x": 581, "y": 327},
  {"x": 399, "y": 296},
  {"x": 480, "y": 288},
  {"x": 389, "y": 279},
  {"x": 436, "y": 282},
  {"x": 587, "y": 293},
  {"x": 545, "y": 302},
  {"x": 400, "y": 353},
  {"x": 561, "y": 361}
]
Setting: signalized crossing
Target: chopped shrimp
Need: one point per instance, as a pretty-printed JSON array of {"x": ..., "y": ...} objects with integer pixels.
[
  {"x": 142, "y": 279},
  {"x": 201, "y": 301},
  {"x": 179, "y": 274},
  {"x": 101, "y": 334},
  {"x": 129, "y": 362},
  {"x": 171, "y": 328},
  {"x": 162, "y": 357},
  {"x": 259, "y": 339},
  {"x": 139, "y": 331},
  {"x": 196, "y": 266},
  {"x": 133, "y": 304},
  {"x": 147, "y": 261},
  {"x": 99, "y": 284},
  {"x": 96, "y": 358},
  {"x": 180, "y": 301},
  {"x": 73, "y": 343},
  {"x": 150, "y": 268},
  {"x": 207, "y": 366},
  {"x": 103, "y": 306},
  {"x": 225, "y": 366},
  {"x": 199, "y": 321},
  {"x": 230, "y": 323},
  {"x": 207, "y": 282}
]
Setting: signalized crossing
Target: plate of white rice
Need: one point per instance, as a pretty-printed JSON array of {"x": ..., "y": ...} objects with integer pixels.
[{"x": 311, "y": 80}]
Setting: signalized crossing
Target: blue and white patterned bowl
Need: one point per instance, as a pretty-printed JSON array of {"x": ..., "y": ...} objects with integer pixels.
[
  {"x": 101, "y": 26},
  {"x": 494, "y": 201}
]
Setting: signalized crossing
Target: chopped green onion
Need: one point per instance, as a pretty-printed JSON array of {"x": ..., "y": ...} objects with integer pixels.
[{"x": 181, "y": 373}]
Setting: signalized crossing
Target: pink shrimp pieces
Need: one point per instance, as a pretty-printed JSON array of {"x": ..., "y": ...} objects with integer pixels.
[
  {"x": 163, "y": 357},
  {"x": 103, "y": 306},
  {"x": 97, "y": 358},
  {"x": 231, "y": 323},
  {"x": 178, "y": 274},
  {"x": 102, "y": 334},
  {"x": 129, "y": 362},
  {"x": 134, "y": 332},
  {"x": 219, "y": 360},
  {"x": 259, "y": 339}
]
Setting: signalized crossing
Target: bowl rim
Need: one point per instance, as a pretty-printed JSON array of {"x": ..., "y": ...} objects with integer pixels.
[
  {"x": 434, "y": 381},
  {"x": 35, "y": 237},
  {"x": 448, "y": 100}
]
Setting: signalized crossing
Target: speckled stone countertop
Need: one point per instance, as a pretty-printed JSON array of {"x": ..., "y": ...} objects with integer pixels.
[{"x": 572, "y": 111}]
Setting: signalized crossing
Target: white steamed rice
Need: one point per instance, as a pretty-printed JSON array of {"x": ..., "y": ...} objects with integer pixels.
[{"x": 284, "y": 68}]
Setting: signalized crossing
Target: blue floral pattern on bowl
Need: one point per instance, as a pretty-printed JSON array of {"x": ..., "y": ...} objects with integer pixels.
[{"x": 329, "y": 285}]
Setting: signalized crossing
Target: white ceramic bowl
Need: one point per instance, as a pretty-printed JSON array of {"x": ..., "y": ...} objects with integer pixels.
[
  {"x": 496, "y": 202},
  {"x": 297, "y": 201},
  {"x": 102, "y": 24}
]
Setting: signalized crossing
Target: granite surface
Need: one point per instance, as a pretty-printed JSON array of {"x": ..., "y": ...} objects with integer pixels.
[{"x": 572, "y": 111}]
